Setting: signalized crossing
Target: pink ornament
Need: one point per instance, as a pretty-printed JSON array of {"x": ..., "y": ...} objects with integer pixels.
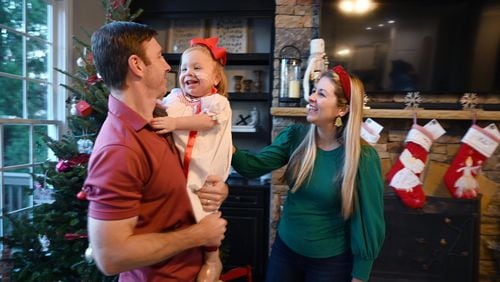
[{"x": 63, "y": 166}]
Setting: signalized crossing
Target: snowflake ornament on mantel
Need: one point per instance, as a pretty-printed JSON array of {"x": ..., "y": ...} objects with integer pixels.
[
  {"x": 366, "y": 99},
  {"x": 412, "y": 100},
  {"x": 469, "y": 101}
]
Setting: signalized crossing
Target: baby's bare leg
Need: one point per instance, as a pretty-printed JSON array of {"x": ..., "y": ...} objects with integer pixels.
[{"x": 211, "y": 268}]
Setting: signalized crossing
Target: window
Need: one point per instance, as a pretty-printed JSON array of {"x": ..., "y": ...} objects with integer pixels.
[{"x": 31, "y": 103}]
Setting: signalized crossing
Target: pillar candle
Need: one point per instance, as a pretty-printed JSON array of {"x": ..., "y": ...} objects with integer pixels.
[{"x": 294, "y": 89}]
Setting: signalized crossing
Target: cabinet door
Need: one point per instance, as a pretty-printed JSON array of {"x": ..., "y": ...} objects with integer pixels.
[
  {"x": 436, "y": 243},
  {"x": 245, "y": 241}
]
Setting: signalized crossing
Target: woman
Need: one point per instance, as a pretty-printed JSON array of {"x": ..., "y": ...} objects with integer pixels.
[{"x": 332, "y": 225}]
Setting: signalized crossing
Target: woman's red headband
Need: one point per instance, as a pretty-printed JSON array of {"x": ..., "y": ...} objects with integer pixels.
[
  {"x": 219, "y": 53},
  {"x": 345, "y": 81}
]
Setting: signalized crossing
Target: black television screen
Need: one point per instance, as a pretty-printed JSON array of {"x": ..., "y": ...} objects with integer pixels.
[{"x": 428, "y": 46}]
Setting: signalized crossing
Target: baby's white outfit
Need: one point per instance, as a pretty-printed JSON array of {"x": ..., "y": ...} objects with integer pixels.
[{"x": 211, "y": 152}]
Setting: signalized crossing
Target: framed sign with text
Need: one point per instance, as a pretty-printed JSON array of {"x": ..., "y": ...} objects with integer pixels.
[
  {"x": 232, "y": 34},
  {"x": 181, "y": 32}
]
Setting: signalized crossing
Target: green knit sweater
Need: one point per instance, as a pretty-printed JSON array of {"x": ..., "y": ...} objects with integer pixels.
[{"x": 311, "y": 223}]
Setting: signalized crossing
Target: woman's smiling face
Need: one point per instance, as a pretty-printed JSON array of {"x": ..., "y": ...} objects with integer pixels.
[{"x": 323, "y": 103}]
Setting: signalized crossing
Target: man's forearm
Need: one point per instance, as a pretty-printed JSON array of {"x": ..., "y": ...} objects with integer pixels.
[{"x": 117, "y": 253}]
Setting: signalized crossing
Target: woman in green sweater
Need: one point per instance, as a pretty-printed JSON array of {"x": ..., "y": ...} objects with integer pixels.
[{"x": 332, "y": 225}]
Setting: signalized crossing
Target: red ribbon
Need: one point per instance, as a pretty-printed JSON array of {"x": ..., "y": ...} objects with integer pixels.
[
  {"x": 190, "y": 145},
  {"x": 345, "y": 81},
  {"x": 219, "y": 53}
]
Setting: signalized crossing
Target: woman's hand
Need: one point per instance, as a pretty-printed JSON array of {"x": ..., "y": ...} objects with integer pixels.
[
  {"x": 356, "y": 280},
  {"x": 213, "y": 193}
]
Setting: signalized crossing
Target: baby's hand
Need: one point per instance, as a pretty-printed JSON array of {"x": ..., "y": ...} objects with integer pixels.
[{"x": 163, "y": 124}]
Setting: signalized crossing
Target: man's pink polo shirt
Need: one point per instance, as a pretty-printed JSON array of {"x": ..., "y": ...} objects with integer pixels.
[{"x": 134, "y": 172}]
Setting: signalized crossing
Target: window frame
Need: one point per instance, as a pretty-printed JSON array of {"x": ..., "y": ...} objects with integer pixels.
[{"x": 60, "y": 28}]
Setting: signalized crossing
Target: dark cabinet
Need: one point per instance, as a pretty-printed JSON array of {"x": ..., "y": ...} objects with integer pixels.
[
  {"x": 436, "y": 243},
  {"x": 246, "y": 241}
]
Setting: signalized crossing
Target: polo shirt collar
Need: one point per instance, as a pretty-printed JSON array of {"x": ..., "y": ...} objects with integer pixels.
[{"x": 122, "y": 111}]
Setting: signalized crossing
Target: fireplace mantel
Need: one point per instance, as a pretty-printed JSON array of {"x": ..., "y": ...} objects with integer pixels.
[{"x": 401, "y": 114}]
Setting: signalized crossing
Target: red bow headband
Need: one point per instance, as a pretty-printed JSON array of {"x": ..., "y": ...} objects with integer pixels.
[
  {"x": 345, "y": 81},
  {"x": 219, "y": 53}
]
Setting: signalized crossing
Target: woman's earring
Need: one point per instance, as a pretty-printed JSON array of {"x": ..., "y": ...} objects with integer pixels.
[{"x": 338, "y": 121}]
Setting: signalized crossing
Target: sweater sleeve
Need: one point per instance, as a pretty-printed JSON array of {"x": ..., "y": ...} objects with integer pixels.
[
  {"x": 367, "y": 222},
  {"x": 269, "y": 158}
]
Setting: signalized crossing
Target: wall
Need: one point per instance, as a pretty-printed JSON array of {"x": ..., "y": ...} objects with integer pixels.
[
  {"x": 87, "y": 17},
  {"x": 296, "y": 22}
]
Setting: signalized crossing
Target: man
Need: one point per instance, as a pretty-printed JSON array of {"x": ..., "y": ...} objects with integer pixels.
[{"x": 140, "y": 220}]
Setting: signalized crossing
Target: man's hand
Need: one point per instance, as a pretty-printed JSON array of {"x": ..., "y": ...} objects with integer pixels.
[
  {"x": 213, "y": 193},
  {"x": 213, "y": 227}
]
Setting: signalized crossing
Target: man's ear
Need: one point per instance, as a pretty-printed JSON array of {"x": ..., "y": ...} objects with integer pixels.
[{"x": 136, "y": 65}]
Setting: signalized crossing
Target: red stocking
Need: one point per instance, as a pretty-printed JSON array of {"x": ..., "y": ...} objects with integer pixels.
[
  {"x": 478, "y": 144},
  {"x": 404, "y": 176}
]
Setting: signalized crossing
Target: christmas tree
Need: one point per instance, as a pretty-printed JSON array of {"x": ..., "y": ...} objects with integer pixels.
[{"x": 50, "y": 243}]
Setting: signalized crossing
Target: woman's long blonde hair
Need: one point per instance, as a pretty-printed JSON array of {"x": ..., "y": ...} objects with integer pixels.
[{"x": 301, "y": 162}]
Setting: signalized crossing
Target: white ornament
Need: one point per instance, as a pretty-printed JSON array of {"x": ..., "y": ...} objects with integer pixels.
[
  {"x": 73, "y": 111},
  {"x": 366, "y": 99},
  {"x": 469, "y": 101},
  {"x": 85, "y": 146},
  {"x": 413, "y": 99},
  {"x": 88, "y": 254},
  {"x": 81, "y": 62},
  {"x": 44, "y": 242}
]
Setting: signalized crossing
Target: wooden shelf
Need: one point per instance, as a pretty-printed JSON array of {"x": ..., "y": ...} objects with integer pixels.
[
  {"x": 401, "y": 114},
  {"x": 233, "y": 59},
  {"x": 248, "y": 96}
]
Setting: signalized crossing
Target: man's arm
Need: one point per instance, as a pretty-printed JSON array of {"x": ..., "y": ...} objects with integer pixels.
[{"x": 116, "y": 249}]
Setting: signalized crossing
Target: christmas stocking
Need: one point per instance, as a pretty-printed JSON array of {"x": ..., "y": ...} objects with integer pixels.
[
  {"x": 404, "y": 176},
  {"x": 370, "y": 131},
  {"x": 477, "y": 145}
]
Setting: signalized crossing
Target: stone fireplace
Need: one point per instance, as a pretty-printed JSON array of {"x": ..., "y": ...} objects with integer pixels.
[{"x": 296, "y": 22}]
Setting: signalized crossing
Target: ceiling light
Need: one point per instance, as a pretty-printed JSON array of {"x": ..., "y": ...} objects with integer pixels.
[{"x": 356, "y": 6}]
